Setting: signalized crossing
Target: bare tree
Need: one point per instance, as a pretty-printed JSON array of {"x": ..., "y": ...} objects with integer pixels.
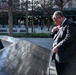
[
  {"x": 47, "y": 8},
  {"x": 10, "y": 18},
  {"x": 60, "y": 3},
  {"x": 51, "y": 6},
  {"x": 27, "y": 16}
]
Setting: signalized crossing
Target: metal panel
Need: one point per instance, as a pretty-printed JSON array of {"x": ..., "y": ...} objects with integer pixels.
[{"x": 24, "y": 58}]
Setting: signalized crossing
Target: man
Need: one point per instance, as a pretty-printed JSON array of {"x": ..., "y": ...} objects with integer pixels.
[{"x": 64, "y": 45}]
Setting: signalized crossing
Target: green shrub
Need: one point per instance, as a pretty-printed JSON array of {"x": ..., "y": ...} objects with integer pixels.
[{"x": 38, "y": 35}]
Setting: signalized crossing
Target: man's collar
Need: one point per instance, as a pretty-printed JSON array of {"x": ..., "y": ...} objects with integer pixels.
[{"x": 63, "y": 22}]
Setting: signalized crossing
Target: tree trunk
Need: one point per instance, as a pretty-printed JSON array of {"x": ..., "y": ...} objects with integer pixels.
[
  {"x": 48, "y": 23},
  {"x": 10, "y": 18},
  {"x": 33, "y": 30},
  {"x": 26, "y": 16}
]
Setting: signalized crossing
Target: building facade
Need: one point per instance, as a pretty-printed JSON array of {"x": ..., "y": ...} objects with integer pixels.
[{"x": 39, "y": 18}]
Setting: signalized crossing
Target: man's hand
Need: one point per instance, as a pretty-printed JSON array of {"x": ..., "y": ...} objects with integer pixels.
[
  {"x": 55, "y": 50},
  {"x": 55, "y": 29}
]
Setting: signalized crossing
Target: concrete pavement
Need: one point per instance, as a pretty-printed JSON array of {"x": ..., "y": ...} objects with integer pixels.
[{"x": 44, "y": 42}]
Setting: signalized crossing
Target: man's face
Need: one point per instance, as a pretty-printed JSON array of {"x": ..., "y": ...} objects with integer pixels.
[{"x": 57, "y": 21}]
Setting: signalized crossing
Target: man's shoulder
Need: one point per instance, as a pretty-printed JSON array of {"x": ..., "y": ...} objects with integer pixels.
[{"x": 70, "y": 22}]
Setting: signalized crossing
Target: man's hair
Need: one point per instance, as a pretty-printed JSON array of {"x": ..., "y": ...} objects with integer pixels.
[{"x": 57, "y": 14}]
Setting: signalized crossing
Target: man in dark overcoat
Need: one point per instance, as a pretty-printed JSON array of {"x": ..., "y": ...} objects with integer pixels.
[{"x": 64, "y": 44}]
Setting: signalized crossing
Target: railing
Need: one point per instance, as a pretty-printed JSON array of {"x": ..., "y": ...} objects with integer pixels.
[{"x": 16, "y": 29}]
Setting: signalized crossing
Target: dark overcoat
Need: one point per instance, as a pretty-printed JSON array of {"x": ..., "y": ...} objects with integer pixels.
[{"x": 65, "y": 40}]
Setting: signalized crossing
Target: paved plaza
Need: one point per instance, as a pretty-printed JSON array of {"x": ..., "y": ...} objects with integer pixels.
[{"x": 44, "y": 42}]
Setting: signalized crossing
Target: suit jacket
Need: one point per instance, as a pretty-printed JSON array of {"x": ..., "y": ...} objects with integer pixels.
[{"x": 65, "y": 40}]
